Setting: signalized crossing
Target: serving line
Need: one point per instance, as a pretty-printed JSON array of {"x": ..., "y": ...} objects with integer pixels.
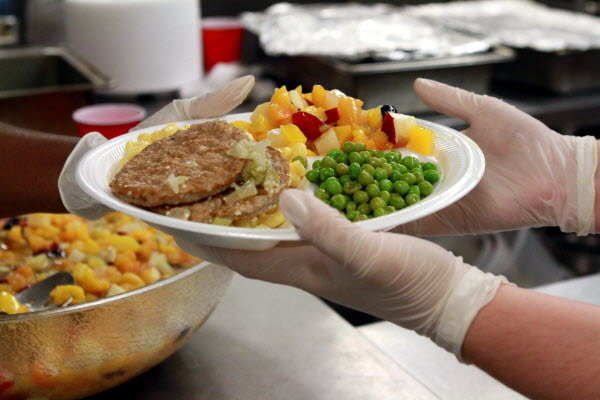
[{"x": 267, "y": 341}]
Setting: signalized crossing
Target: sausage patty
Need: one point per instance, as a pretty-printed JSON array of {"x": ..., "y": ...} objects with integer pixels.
[
  {"x": 216, "y": 207},
  {"x": 185, "y": 167}
]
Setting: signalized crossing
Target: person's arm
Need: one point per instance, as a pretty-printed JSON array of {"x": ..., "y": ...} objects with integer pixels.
[
  {"x": 30, "y": 163},
  {"x": 542, "y": 346}
]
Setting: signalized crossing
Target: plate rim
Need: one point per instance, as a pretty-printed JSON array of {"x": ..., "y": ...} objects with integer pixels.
[{"x": 475, "y": 168}]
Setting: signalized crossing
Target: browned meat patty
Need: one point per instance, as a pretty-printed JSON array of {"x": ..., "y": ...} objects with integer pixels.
[
  {"x": 185, "y": 167},
  {"x": 216, "y": 207}
]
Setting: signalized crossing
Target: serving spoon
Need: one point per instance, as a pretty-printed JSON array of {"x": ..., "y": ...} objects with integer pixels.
[{"x": 36, "y": 297}]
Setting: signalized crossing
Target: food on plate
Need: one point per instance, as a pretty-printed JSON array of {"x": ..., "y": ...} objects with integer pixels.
[
  {"x": 211, "y": 172},
  {"x": 364, "y": 183},
  {"x": 326, "y": 119},
  {"x": 112, "y": 255}
]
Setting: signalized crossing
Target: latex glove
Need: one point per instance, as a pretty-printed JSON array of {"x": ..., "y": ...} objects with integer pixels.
[
  {"x": 75, "y": 200},
  {"x": 212, "y": 104},
  {"x": 534, "y": 176},
  {"x": 411, "y": 282}
]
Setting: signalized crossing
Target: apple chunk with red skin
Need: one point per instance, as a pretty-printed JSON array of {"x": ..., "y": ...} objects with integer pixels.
[
  {"x": 396, "y": 126},
  {"x": 308, "y": 124}
]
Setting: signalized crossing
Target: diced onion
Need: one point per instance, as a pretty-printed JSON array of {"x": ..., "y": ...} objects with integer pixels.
[{"x": 175, "y": 181}]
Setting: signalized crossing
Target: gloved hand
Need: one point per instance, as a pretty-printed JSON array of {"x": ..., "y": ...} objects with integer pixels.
[
  {"x": 534, "y": 176},
  {"x": 209, "y": 105},
  {"x": 411, "y": 282}
]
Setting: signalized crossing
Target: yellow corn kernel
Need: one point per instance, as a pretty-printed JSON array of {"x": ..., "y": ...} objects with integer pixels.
[
  {"x": 295, "y": 180},
  {"x": 245, "y": 125},
  {"x": 310, "y": 153},
  {"x": 299, "y": 149},
  {"x": 95, "y": 262},
  {"x": 123, "y": 243},
  {"x": 293, "y": 134},
  {"x": 297, "y": 168},
  {"x": 87, "y": 279},
  {"x": 287, "y": 152},
  {"x": 420, "y": 139},
  {"x": 272, "y": 220},
  {"x": 72, "y": 293},
  {"x": 10, "y": 305},
  {"x": 150, "y": 275}
]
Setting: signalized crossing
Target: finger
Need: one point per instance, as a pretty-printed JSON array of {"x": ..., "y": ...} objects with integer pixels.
[
  {"x": 328, "y": 230},
  {"x": 449, "y": 100}
]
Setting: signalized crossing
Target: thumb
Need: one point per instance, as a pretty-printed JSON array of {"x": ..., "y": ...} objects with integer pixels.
[
  {"x": 449, "y": 100},
  {"x": 324, "y": 227}
]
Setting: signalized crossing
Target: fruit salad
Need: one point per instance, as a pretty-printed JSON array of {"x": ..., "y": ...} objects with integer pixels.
[{"x": 324, "y": 120}]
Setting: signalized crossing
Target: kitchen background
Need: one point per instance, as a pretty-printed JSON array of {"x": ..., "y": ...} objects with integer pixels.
[{"x": 42, "y": 81}]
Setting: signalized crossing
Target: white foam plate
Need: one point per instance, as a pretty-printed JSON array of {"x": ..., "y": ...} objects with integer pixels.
[{"x": 460, "y": 162}]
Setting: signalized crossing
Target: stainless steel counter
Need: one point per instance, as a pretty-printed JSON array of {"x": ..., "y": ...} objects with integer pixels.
[{"x": 268, "y": 341}]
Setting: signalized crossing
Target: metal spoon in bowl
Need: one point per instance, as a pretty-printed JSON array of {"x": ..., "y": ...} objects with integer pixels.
[{"x": 36, "y": 296}]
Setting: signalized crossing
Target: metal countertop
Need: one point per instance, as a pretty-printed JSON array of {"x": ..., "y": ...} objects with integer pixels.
[{"x": 267, "y": 341}]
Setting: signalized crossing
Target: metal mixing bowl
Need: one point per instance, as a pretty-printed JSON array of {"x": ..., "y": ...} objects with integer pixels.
[{"x": 77, "y": 351}]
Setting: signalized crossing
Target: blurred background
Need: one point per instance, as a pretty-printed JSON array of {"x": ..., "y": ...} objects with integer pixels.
[{"x": 57, "y": 56}]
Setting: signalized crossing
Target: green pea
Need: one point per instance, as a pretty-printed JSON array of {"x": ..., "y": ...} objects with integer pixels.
[
  {"x": 360, "y": 217},
  {"x": 302, "y": 160},
  {"x": 350, "y": 206},
  {"x": 381, "y": 153},
  {"x": 429, "y": 166},
  {"x": 338, "y": 201},
  {"x": 411, "y": 199},
  {"x": 360, "y": 197},
  {"x": 419, "y": 177},
  {"x": 316, "y": 164},
  {"x": 414, "y": 189},
  {"x": 375, "y": 161},
  {"x": 397, "y": 152},
  {"x": 352, "y": 187},
  {"x": 364, "y": 208},
  {"x": 385, "y": 196},
  {"x": 344, "y": 179},
  {"x": 401, "y": 187},
  {"x": 354, "y": 170},
  {"x": 395, "y": 176},
  {"x": 380, "y": 174},
  {"x": 312, "y": 175},
  {"x": 322, "y": 185},
  {"x": 342, "y": 169},
  {"x": 387, "y": 168},
  {"x": 364, "y": 178},
  {"x": 342, "y": 158},
  {"x": 333, "y": 153},
  {"x": 426, "y": 188},
  {"x": 328, "y": 162},
  {"x": 360, "y": 146},
  {"x": 379, "y": 212},
  {"x": 397, "y": 202},
  {"x": 325, "y": 173},
  {"x": 333, "y": 187},
  {"x": 369, "y": 168},
  {"x": 376, "y": 202},
  {"x": 373, "y": 190},
  {"x": 395, "y": 165},
  {"x": 366, "y": 156},
  {"x": 322, "y": 194},
  {"x": 402, "y": 169},
  {"x": 410, "y": 162},
  {"x": 355, "y": 157},
  {"x": 352, "y": 214},
  {"x": 431, "y": 175},
  {"x": 372, "y": 152},
  {"x": 389, "y": 209},
  {"x": 416, "y": 169},
  {"x": 386, "y": 184},
  {"x": 407, "y": 177},
  {"x": 349, "y": 147}
]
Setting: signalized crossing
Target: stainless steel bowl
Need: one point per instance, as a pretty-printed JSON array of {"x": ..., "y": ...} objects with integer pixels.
[{"x": 77, "y": 351}]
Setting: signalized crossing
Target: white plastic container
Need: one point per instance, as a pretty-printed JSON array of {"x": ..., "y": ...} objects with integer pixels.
[{"x": 146, "y": 46}]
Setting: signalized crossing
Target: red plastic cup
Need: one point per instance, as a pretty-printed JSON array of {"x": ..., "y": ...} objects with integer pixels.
[
  {"x": 111, "y": 119},
  {"x": 221, "y": 40}
]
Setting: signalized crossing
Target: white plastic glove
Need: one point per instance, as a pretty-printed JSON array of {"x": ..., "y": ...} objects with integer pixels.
[
  {"x": 411, "y": 282},
  {"x": 213, "y": 104},
  {"x": 534, "y": 176}
]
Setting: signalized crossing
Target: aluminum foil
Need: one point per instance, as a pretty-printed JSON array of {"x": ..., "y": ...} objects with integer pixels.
[
  {"x": 516, "y": 23},
  {"x": 355, "y": 31}
]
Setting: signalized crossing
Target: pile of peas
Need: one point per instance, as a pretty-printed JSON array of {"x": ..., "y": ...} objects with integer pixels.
[{"x": 365, "y": 183}]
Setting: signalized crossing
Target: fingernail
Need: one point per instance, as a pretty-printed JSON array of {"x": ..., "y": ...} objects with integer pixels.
[{"x": 293, "y": 206}]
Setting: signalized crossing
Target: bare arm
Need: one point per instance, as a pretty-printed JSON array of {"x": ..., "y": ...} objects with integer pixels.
[
  {"x": 30, "y": 163},
  {"x": 542, "y": 346}
]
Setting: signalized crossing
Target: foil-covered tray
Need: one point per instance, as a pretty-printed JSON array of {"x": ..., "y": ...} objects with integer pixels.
[{"x": 355, "y": 32}]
